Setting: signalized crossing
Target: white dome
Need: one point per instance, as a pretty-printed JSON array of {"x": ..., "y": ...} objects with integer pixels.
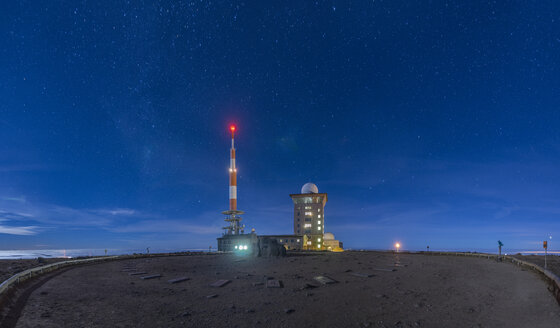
[
  {"x": 328, "y": 236},
  {"x": 309, "y": 188}
]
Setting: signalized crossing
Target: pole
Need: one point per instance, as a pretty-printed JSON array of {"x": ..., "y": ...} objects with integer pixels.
[
  {"x": 545, "y": 246},
  {"x": 500, "y": 244},
  {"x": 545, "y": 251}
]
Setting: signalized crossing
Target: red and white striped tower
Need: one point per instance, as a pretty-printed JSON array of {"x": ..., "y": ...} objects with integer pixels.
[
  {"x": 233, "y": 214},
  {"x": 232, "y": 174}
]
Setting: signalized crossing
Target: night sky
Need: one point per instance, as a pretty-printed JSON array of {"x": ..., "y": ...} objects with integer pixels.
[{"x": 429, "y": 122}]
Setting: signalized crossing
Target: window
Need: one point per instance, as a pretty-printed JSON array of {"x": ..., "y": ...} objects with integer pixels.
[
  {"x": 307, "y": 225},
  {"x": 308, "y": 213},
  {"x": 307, "y": 219},
  {"x": 319, "y": 216},
  {"x": 308, "y": 243},
  {"x": 318, "y": 240},
  {"x": 318, "y": 210},
  {"x": 307, "y": 207},
  {"x": 298, "y": 213},
  {"x": 298, "y": 219},
  {"x": 298, "y": 240},
  {"x": 291, "y": 240},
  {"x": 318, "y": 228},
  {"x": 280, "y": 240},
  {"x": 297, "y": 230},
  {"x": 319, "y": 222},
  {"x": 307, "y": 231},
  {"x": 298, "y": 225}
]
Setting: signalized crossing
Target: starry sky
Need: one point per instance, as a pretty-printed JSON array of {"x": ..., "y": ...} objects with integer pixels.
[{"x": 426, "y": 122}]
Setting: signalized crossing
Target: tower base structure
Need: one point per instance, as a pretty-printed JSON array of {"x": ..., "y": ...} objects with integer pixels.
[
  {"x": 234, "y": 227},
  {"x": 241, "y": 243}
]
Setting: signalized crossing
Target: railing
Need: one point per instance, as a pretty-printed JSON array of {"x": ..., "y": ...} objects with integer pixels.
[{"x": 29, "y": 273}]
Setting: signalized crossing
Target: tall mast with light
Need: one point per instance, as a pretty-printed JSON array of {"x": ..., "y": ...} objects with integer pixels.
[{"x": 232, "y": 215}]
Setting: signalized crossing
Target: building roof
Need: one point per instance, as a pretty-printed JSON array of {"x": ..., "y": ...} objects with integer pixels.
[{"x": 324, "y": 195}]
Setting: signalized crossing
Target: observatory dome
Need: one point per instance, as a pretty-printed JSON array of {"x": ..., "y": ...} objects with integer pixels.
[
  {"x": 309, "y": 188},
  {"x": 328, "y": 236}
]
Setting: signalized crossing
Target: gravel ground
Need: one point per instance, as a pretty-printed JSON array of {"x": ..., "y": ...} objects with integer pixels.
[{"x": 405, "y": 290}]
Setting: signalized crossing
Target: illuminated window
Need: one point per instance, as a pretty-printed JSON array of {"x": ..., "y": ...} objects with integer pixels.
[
  {"x": 318, "y": 228},
  {"x": 319, "y": 222},
  {"x": 318, "y": 240},
  {"x": 280, "y": 240},
  {"x": 307, "y": 225},
  {"x": 307, "y": 207},
  {"x": 308, "y": 213},
  {"x": 319, "y": 216},
  {"x": 298, "y": 240},
  {"x": 318, "y": 210},
  {"x": 308, "y": 243}
]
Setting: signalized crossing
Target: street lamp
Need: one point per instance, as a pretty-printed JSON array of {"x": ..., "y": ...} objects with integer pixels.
[{"x": 397, "y": 245}]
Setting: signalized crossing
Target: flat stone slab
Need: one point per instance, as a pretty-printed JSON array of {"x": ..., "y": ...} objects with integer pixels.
[
  {"x": 308, "y": 286},
  {"x": 136, "y": 273},
  {"x": 220, "y": 283},
  {"x": 151, "y": 276},
  {"x": 362, "y": 275},
  {"x": 273, "y": 283},
  {"x": 177, "y": 280},
  {"x": 324, "y": 280}
]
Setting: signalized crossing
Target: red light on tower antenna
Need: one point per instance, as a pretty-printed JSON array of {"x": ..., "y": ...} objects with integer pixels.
[{"x": 232, "y": 128}]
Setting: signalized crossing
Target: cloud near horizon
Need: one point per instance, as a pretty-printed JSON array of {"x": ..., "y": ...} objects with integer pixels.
[
  {"x": 41, "y": 216},
  {"x": 20, "y": 231}
]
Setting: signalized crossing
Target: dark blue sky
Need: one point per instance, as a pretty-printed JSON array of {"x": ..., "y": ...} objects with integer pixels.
[{"x": 430, "y": 122}]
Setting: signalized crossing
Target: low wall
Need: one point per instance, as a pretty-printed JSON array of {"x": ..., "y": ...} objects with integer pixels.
[{"x": 30, "y": 273}]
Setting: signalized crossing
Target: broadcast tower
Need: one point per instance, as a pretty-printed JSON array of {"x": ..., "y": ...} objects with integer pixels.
[{"x": 232, "y": 216}]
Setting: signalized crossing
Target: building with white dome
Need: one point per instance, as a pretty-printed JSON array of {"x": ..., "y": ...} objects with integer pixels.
[
  {"x": 330, "y": 243},
  {"x": 309, "y": 216}
]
